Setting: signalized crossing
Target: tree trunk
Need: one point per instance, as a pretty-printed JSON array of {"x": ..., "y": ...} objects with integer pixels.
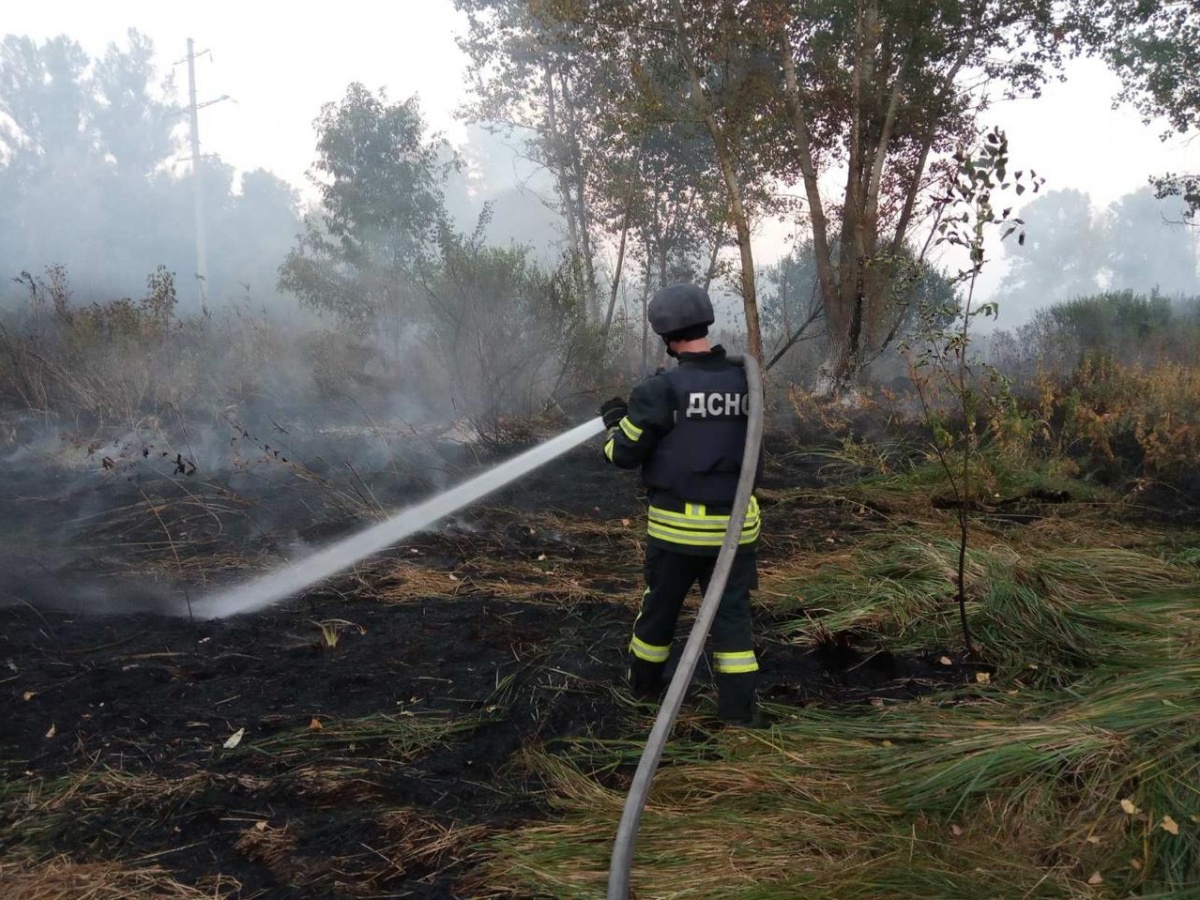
[
  {"x": 821, "y": 248},
  {"x": 914, "y": 186},
  {"x": 634, "y": 178},
  {"x": 741, "y": 220},
  {"x": 579, "y": 173},
  {"x": 559, "y": 166},
  {"x": 645, "y": 314},
  {"x": 711, "y": 272},
  {"x": 616, "y": 282}
]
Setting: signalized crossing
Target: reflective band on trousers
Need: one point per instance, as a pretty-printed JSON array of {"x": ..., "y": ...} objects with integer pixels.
[
  {"x": 631, "y": 431},
  {"x": 696, "y": 528},
  {"x": 609, "y": 446},
  {"x": 649, "y": 652},
  {"x": 736, "y": 663}
]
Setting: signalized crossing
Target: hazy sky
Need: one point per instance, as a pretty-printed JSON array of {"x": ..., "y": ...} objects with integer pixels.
[{"x": 280, "y": 64}]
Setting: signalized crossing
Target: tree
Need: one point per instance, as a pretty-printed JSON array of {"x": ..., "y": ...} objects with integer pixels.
[
  {"x": 646, "y": 79},
  {"x": 939, "y": 353},
  {"x": 252, "y": 233},
  {"x": 1147, "y": 248},
  {"x": 509, "y": 333},
  {"x": 133, "y": 126},
  {"x": 1074, "y": 251},
  {"x": 529, "y": 75},
  {"x": 791, "y": 307},
  {"x": 86, "y": 181},
  {"x": 45, "y": 97},
  {"x": 81, "y": 140},
  {"x": 1154, "y": 47},
  {"x": 381, "y": 206},
  {"x": 796, "y": 90},
  {"x": 1064, "y": 255},
  {"x": 881, "y": 89}
]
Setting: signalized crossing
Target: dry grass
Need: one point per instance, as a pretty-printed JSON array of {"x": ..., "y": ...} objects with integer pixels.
[
  {"x": 1008, "y": 790},
  {"x": 416, "y": 840},
  {"x": 1002, "y": 797},
  {"x": 331, "y": 785},
  {"x": 270, "y": 845},
  {"x": 63, "y": 879},
  {"x": 553, "y": 579}
]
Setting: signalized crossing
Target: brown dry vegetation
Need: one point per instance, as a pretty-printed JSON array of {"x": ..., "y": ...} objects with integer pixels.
[{"x": 448, "y": 720}]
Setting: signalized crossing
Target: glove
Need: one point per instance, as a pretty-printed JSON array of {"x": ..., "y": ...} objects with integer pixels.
[{"x": 613, "y": 411}]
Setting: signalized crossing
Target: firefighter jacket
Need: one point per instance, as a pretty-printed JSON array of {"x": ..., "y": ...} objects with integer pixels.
[{"x": 686, "y": 429}]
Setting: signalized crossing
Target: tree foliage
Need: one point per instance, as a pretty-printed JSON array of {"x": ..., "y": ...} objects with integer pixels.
[
  {"x": 380, "y": 182},
  {"x": 779, "y": 92},
  {"x": 509, "y": 333},
  {"x": 1063, "y": 255},
  {"x": 1154, "y": 47},
  {"x": 531, "y": 75},
  {"x": 86, "y": 153},
  {"x": 1074, "y": 250}
]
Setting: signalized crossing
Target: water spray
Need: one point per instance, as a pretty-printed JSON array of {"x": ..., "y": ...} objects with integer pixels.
[{"x": 275, "y": 586}]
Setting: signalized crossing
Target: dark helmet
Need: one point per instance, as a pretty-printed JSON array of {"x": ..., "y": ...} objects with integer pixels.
[{"x": 680, "y": 307}]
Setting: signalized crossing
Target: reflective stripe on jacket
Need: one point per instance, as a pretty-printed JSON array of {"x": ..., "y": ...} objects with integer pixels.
[{"x": 694, "y": 525}]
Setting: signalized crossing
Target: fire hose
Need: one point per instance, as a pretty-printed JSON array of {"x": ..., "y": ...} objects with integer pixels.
[{"x": 622, "y": 856}]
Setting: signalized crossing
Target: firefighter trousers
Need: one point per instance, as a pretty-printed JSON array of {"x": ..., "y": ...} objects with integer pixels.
[{"x": 669, "y": 576}]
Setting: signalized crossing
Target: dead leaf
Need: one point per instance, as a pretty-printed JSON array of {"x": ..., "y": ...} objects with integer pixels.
[
  {"x": 453, "y": 577},
  {"x": 542, "y": 557},
  {"x": 626, "y": 522},
  {"x": 315, "y": 725},
  {"x": 1092, "y": 839},
  {"x": 1096, "y": 878},
  {"x": 830, "y": 541},
  {"x": 1169, "y": 825},
  {"x": 888, "y": 744},
  {"x": 52, "y": 732},
  {"x": 28, "y": 695},
  {"x": 1130, "y": 807},
  {"x": 261, "y": 825},
  {"x": 946, "y": 661},
  {"x": 235, "y": 739},
  {"x": 983, "y": 677},
  {"x": 956, "y": 830},
  {"x": 1136, "y": 864}
]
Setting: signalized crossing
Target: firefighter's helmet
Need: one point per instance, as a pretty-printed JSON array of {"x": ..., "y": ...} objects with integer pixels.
[{"x": 679, "y": 307}]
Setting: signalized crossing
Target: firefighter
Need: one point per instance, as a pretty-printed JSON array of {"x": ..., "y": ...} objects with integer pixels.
[{"x": 686, "y": 429}]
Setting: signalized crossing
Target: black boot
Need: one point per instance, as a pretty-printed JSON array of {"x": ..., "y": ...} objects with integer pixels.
[
  {"x": 736, "y": 703},
  {"x": 645, "y": 678}
]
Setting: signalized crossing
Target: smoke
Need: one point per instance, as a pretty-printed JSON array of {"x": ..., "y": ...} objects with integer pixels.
[
  {"x": 91, "y": 179},
  {"x": 154, "y": 435},
  {"x": 1073, "y": 250}
]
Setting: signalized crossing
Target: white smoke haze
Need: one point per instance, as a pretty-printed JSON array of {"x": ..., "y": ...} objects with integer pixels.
[{"x": 372, "y": 329}]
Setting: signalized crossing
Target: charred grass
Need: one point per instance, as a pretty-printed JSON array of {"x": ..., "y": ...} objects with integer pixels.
[{"x": 448, "y": 720}]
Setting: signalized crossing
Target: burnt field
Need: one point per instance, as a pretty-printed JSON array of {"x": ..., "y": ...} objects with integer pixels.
[{"x": 377, "y": 727}]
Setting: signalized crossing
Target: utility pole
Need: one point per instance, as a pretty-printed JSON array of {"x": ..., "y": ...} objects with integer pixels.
[
  {"x": 197, "y": 189},
  {"x": 201, "y": 249}
]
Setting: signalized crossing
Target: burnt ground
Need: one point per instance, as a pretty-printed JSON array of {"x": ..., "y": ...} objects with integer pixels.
[{"x": 375, "y": 756}]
